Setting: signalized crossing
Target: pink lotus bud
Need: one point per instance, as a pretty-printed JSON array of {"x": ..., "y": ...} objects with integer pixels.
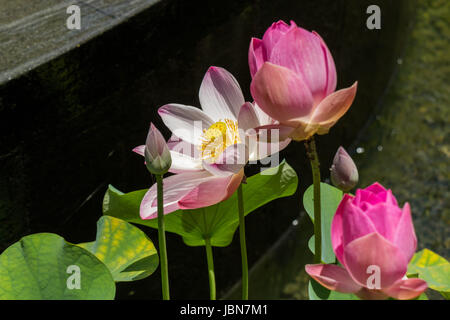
[
  {"x": 374, "y": 240},
  {"x": 294, "y": 80},
  {"x": 343, "y": 171},
  {"x": 157, "y": 154}
]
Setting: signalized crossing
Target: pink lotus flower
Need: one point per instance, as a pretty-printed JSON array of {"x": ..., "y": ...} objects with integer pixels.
[
  {"x": 374, "y": 240},
  {"x": 209, "y": 147},
  {"x": 343, "y": 171},
  {"x": 156, "y": 152},
  {"x": 294, "y": 81}
]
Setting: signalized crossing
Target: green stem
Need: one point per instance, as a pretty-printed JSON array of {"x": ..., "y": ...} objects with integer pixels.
[
  {"x": 162, "y": 240},
  {"x": 243, "y": 244},
  {"x": 311, "y": 150},
  {"x": 211, "y": 274}
]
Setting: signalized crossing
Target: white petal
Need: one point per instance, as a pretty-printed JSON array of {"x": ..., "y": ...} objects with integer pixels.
[
  {"x": 263, "y": 117},
  {"x": 176, "y": 187}
]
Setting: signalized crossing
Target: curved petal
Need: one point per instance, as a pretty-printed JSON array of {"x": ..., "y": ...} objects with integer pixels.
[
  {"x": 140, "y": 150},
  {"x": 329, "y": 66},
  {"x": 256, "y": 55},
  {"x": 406, "y": 289},
  {"x": 332, "y": 277},
  {"x": 248, "y": 118},
  {"x": 333, "y": 107},
  {"x": 385, "y": 217},
  {"x": 376, "y": 188},
  {"x": 389, "y": 198},
  {"x": 303, "y": 130},
  {"x": 252, "y": 144},
  {"x": 185, "y": 122},
  {"x": 373, "y": 195},
  {"x": 355, "y": 224},
  {"x": 337, "y": 229},
  {"x": 187, "y": 149},
  {"x": 263, "y": 117},
  {"x": 263, "y": 141},
  {"x": 405, "y": 237},
  {"x": 183, "y": 163},
  {"x": 212, "y": 191},
  {"x": 281, "y": 93},
  {"x": 220, "y": 94},
  {"x": 271, "y": 133},
  {"x": 230, "y": 161},
  {"x": 267, "y": 140},
  {"x": 370, "y": 294},
  {"x": 365, "y": 199},
  {"x": 176, "y": 187},
  {"x": 377, "y": 193},
  {"x": 373, "y": 250},
  {"x": 301, "y": 51},
  {"x": 268, "y": 149},
  {"x": 273, "y": 34}
]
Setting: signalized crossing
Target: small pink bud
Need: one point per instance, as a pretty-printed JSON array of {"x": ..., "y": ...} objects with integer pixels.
[
  {"x": 344, "y": 174},
  {"x": 157, "y": 154}
]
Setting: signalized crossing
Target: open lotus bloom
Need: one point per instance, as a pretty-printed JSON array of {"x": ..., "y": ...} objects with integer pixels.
[
  {"x": 209, "y": 146},
  {"x": 294, "y": 81},
  {"x": 374, "y": 240}
]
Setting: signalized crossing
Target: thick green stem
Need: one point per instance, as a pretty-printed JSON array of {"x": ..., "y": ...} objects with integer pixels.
[
  {"x": 310, "y": 146},
  {"x": 162, "y": 240},
  {"x": 211, "y": 274},
  {"x": 243, "y": 244}
]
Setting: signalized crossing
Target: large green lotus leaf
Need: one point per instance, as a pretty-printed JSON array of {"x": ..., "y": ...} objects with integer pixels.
[
  {"x": 217, "y": 222},
  {"x": 330, "y": 197},
  {"x": 44, "y": 266},
  {"x": 432, "y": 268},
  {"x": 124, "y": 249}
]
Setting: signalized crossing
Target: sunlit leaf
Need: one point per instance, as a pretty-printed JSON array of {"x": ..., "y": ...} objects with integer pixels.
[
  {"x": 330, "y": 197},
  {"x": 45, "y": 266},
  {"x": 432, "y": 268},
  {"x": 125, "y": 249},
  {"x": 217, "y": 222}
]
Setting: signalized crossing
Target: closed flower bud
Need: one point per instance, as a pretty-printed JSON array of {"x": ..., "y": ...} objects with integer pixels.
[
  {"x": 344, "y": 174},
  {"x": 157, "y": 154}
]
